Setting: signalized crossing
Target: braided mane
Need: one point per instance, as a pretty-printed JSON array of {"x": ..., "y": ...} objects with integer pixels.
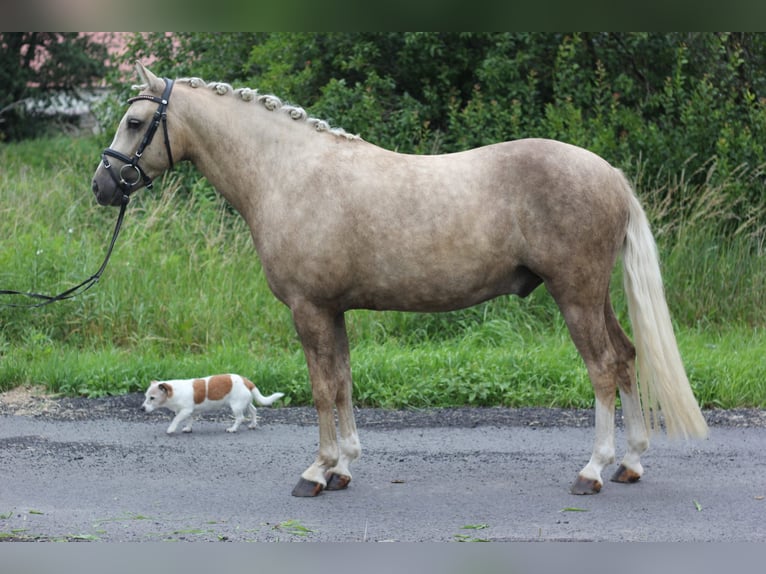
[{"x": 270, "y": 102}]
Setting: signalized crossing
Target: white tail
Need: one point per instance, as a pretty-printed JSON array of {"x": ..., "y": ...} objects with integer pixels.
[
  {"x": 663, "y": 384},
  {"x": 265, "y": 401}
]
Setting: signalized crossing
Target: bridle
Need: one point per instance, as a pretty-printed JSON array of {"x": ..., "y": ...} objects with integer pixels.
[
  {"x": 131, "y": 173},
  {"x": 126, "y": 180}
]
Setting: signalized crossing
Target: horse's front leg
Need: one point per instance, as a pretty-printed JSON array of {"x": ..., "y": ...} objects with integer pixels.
[
  {"x": 325, "y": 344},
  {"x": 339, "y": 476}
]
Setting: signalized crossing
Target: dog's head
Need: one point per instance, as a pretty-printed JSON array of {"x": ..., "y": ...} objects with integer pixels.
[{"x": 156, "y": 395}]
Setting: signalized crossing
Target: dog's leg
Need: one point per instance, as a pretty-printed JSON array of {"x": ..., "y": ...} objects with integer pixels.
[
  {"x": 253, "y": 416},
  {"x": 239, "y": 416},
  {"x": 181, "y": 416}
]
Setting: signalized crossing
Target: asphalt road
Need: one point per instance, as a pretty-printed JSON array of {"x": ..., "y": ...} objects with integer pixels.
[{"x": 100, "y": 470}]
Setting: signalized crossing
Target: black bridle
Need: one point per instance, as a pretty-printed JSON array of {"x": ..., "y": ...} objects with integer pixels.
[
  {"x": 130, "y": 174},
  {"x": 125, "y": 184}
]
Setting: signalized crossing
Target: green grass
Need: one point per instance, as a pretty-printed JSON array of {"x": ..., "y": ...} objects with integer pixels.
[{"x": 184, "y": 296}]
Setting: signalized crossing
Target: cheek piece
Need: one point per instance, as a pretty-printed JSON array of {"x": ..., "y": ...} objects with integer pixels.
[{"x": 130, "y": 174}]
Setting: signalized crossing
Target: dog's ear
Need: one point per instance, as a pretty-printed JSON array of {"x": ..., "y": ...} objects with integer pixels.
[{"x": 165, "y": 388}]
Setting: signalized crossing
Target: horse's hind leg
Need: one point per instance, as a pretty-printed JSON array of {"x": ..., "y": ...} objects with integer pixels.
[
  {"x": 609, "y": 357},
  {"x": 588, "y": 329},
  {"x": 325, "y": 343},
  {"x": 630, "y": 469}
]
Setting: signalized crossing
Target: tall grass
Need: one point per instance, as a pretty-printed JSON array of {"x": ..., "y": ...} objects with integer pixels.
[
  {"x": 184, "y": 295},
  {"x": 712, "y": 244}
]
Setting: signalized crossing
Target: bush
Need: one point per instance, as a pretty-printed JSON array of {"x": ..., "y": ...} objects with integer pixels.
[{"x": 665, "y": 101}]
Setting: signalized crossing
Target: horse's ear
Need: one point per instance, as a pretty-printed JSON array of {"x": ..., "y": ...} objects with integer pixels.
[{"x": 148, "y": 78}]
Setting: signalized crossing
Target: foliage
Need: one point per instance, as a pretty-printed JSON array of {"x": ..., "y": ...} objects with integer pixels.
[
  {"x": 664, "y": 101},
  {"x": 37, "y": 65}
]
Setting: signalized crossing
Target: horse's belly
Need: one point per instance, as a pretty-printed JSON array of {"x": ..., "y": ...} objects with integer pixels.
[{"x": 440, "y": 291}]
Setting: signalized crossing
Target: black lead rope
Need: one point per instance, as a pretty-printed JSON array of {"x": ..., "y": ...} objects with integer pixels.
[{"x": 77, "y": 289}]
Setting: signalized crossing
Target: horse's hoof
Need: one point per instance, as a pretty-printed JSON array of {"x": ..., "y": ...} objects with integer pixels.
[
  {"x": 585, "y": 486},
  {"x": 307, "y": 488},
  {"x": 337, "y": 481},
  {"x": 624, "y": 475}
]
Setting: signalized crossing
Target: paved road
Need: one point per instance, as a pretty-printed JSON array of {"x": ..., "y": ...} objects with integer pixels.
[{"x": 77, "y": 469}]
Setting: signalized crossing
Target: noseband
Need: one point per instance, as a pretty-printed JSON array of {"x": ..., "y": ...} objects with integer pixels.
[{"x": 130, "y": 174}]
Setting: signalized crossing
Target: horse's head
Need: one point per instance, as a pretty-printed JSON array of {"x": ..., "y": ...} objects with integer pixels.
[{"x": 136, "y": 156}]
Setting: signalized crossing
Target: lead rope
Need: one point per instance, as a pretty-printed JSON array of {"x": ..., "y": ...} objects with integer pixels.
[{"x": 84, "y": 286}]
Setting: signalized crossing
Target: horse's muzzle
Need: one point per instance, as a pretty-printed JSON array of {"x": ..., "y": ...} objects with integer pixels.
[{"x": 107, "y": 194}]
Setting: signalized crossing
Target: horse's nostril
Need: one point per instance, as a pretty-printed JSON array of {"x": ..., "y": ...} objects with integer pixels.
[{"x": 94, "y": 186}]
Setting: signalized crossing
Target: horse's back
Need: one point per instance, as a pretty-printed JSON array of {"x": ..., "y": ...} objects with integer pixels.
[{"x": 501, "y": 198}]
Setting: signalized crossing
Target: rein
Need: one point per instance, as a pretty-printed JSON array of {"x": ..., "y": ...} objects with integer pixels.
[
  {"x": 126, "y": 181},
  {"x": 85, "y": 285}
]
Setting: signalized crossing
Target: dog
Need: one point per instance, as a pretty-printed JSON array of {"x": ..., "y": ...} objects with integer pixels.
[{"x": 186, "y": 397}]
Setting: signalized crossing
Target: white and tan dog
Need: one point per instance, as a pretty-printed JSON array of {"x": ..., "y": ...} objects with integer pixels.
[{"x": 186, "y": 397}]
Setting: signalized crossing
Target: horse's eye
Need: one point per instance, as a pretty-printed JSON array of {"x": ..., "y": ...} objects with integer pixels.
[{"x": 134, "y": 124}]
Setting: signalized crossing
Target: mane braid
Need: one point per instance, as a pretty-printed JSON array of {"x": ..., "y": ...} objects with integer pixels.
[{"x": 271, "y": 103}]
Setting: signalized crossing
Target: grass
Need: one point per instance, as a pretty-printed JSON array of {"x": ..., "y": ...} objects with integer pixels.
[{"x": 184, "y": 295}]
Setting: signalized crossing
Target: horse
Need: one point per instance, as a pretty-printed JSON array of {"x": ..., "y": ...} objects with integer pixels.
[{"x": 340, "y": 223}]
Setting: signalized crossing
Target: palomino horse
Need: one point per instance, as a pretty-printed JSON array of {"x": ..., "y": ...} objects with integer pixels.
[{"x": 339, "y": 224}]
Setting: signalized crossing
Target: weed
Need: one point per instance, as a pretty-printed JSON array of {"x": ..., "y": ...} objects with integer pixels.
[
  {"x": 293, "y": 527},
  {"x": 17, "y": 535},
  {"x": 468, "y": 537}
]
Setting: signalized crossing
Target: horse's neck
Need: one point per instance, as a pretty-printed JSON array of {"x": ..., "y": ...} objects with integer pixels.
[{"x": 239, "y": 146}]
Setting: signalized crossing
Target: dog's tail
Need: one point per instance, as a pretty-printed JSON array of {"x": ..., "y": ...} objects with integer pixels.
[{"x": 265, "y": 401}]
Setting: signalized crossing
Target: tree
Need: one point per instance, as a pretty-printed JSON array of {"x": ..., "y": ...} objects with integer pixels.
[{"x": 38, "y": 65}]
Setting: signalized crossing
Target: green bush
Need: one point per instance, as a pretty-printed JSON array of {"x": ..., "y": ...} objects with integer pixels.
[{"x": 665, "y": 101}]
